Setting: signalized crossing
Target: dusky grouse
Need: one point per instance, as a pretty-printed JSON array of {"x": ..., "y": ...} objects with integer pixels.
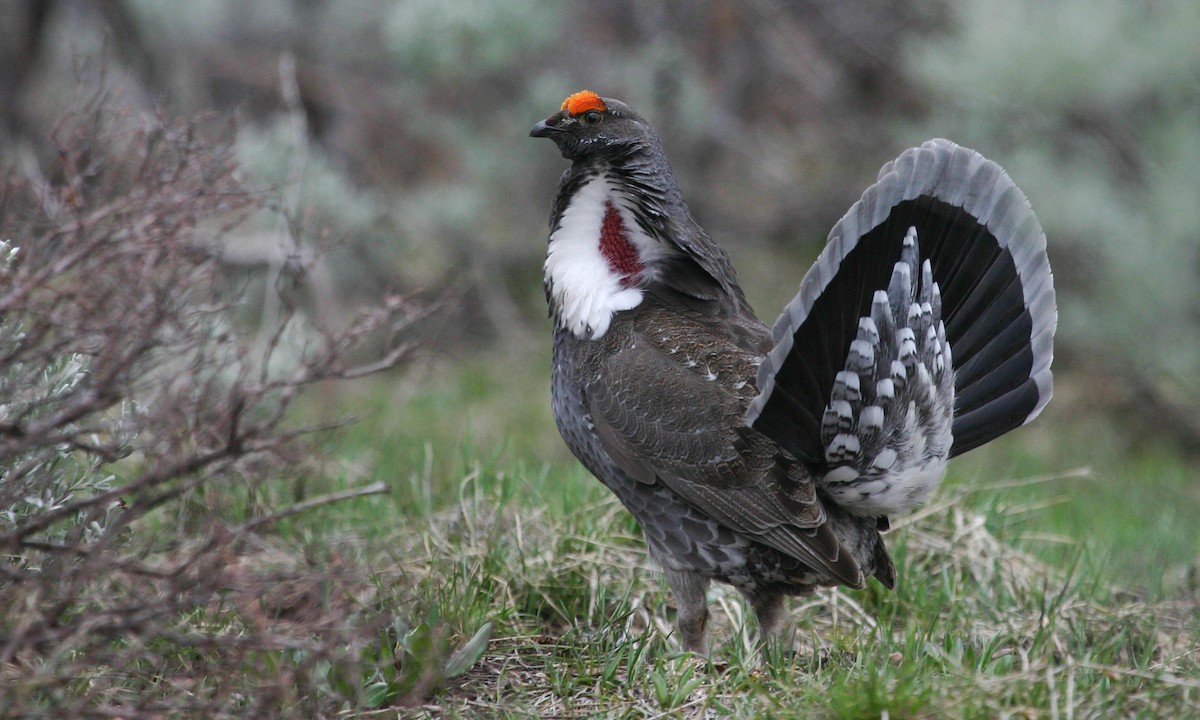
[{"x": 772, "y": 458}]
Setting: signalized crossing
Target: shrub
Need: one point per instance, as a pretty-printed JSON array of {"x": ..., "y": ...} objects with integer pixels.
[{"x": 128, "y": 402}]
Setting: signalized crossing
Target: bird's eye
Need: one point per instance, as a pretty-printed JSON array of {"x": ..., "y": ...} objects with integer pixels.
[{"x": 591, "y": 117}]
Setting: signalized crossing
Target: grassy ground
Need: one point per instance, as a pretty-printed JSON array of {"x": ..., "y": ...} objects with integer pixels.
[{"x": 1053, "y": 577}]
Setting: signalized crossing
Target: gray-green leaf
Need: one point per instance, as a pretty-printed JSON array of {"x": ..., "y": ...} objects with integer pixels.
[{"x": 467, "y": 655}]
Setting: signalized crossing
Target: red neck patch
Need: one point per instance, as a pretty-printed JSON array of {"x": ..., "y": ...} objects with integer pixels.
[{"x": 622, "y": 255}]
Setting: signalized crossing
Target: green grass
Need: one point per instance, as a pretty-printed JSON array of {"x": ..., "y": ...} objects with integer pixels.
[
  {"x": 1026, "y": 589},
  {"x": 975, "y": 628},
  {"x": 496, "y": 578},
  {"x": 1077, "y": 486}
]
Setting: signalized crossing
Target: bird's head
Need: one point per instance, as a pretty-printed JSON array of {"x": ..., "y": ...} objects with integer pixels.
[
  {"x": 589, "y": 127},
  {"x": 619, "y": 226}
]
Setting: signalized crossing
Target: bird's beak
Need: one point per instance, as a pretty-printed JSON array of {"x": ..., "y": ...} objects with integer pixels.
[{"x": 544, "y": 129}]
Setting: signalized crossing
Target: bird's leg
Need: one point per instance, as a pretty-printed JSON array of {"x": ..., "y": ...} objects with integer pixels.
[
  {"x": 689, "y": 589},
  {"x": 768, "y": 610}
]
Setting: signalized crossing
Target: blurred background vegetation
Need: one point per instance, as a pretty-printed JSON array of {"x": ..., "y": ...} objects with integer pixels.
[{"x": 390, "y": 136}]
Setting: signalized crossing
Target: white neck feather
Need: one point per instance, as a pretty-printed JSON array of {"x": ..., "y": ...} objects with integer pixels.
[{"x": 585, "y": 291}]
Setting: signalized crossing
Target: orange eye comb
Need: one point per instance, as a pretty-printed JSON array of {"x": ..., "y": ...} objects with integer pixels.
[{"x": 583, "y": 101}]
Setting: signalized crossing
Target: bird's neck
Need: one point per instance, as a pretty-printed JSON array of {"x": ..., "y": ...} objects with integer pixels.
[
  {"x": 621, "y": 228},
  {"x": 604, "y": 250}
]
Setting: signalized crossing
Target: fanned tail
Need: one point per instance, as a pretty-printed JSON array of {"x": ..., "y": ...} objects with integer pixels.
[{"x": 985, "y": 279}]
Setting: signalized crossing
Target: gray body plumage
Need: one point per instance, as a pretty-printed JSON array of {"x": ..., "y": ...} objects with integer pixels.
[{"x": 771, "y": 458}]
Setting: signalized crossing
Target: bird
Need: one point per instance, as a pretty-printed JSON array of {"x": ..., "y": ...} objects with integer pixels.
[{"x": 773, "y": 458}]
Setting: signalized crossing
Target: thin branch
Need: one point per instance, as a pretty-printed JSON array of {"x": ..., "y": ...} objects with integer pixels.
[{"x": 375, "y": 488}]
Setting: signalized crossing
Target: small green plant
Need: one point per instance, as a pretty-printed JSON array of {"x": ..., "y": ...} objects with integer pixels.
[
  {"x": 674, "y": 682},
  {"x": 411, "y": 663}
]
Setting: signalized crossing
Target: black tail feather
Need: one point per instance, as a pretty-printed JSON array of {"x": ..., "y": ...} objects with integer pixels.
[{"x": 988, "y": 256}]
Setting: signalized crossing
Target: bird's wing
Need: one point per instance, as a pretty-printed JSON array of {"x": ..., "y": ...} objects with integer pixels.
[{"x": 671, "y": 417}]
